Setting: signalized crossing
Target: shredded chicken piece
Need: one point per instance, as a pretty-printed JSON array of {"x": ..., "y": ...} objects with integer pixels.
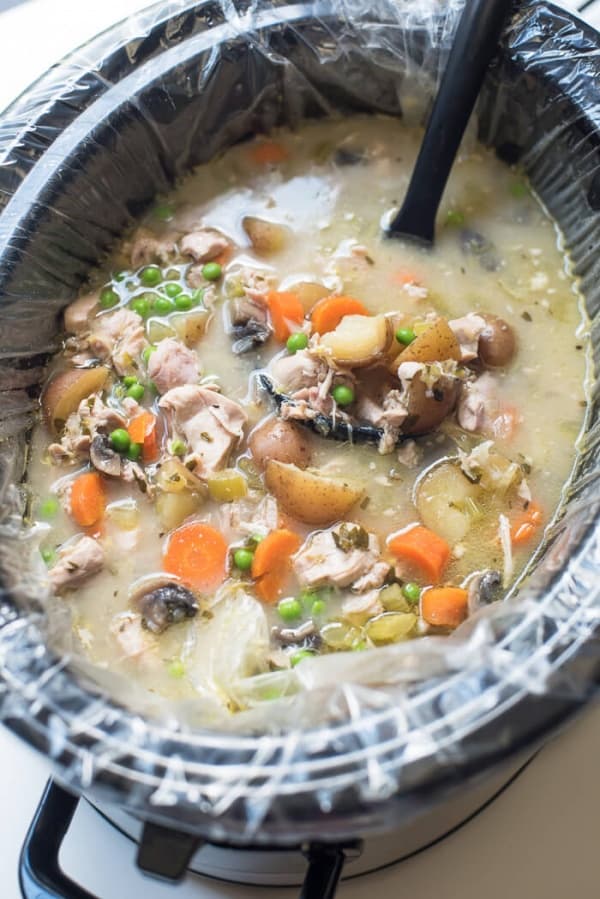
[
  {"x": 127, "y": 629},
  {"x": 320, "y": 561},
  {"x": 479, "y": 404},
  {"x": 77, "y": 561},
  {"x": 119, "y": 336},
  {"x": 467, "y": 331},
  {"x": 211, "y": 424},
  {"x": 147, "y": 248},
  {"x": 302, "y": 370},
  {"x": 203, "y": 245},
  {"x": 358, "y": 609},
  {"x": 76, "y": 315},
  {"x": 172, "y": 364},
  {"x": 92, "y": 416}
]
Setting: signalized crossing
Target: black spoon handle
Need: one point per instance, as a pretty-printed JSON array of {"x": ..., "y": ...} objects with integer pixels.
[{"x": 474, "y": 45}]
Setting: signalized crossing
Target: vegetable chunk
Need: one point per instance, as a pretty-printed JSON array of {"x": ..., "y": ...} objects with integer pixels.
[{"x": 310, "y": 497}]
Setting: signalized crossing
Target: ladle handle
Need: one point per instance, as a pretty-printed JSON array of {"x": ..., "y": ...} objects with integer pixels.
[{"x": 473, "y": 47}]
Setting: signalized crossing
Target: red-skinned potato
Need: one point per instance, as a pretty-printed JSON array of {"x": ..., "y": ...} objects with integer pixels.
[
  {"x": 66, "y": 390},
  {"x": 437, "y": 344},
  {"x": 427, "y": 408},
  {"x": 311, "y": 497},
  {"x": 282, "y": 441}
]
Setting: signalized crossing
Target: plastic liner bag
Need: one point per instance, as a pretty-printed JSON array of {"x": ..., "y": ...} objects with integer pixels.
[{"x": 82, "y": 153}]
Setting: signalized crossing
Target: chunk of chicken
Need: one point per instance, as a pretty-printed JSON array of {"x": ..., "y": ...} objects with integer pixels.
[
  {"x": 479, "y": 404},
  {"x": 77, "y": 561},
  {"x": 292, "y": 373},
  {"x": 172, "y": 364},
  {"x": 147, "y": 248},
  {"x": 203, "y": 245},
  {"x": 211, "y": 424},
  {"x": 467, "y": 331},
  {"x": 77, "y": 314},
  {"x": 92, "y": 417},
  {"x": 321, "y": 560},
  {"x": 119, "y": 336}
]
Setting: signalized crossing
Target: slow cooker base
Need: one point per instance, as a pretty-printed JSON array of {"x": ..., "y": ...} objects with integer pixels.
[{"x": 287, "y": 867}]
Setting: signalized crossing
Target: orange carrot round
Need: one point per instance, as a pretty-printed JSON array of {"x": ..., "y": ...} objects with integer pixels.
[
  {"x": 87, "y": 499},
  {"x": 143, "y": 429},
  {"x": 286, "y": 312},
  {"x": 268, "y": 152},
  {"x": 271, "y": 563},
  {"x": 328, "y": 312},
  {"x": 422, "y": 548},
  {"x": 197, "y": 553},
  {"x": 444, "y": 606}
]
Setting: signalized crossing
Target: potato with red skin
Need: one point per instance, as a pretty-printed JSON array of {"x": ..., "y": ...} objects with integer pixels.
[
  {"x": 497, "y": 344},
  {"x": 428, "y": 407},
  {"x": 309, "y": 496},
  {"x": 281, "y": 441},
  {"x": 66, "y": 390}
]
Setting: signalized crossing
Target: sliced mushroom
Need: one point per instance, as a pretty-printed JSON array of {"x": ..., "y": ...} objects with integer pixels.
[
  {"x": 104, "y": 458},
  {"x": 484, "y": 588},
  {"x": 165, "y": 604},
  {"x": 290, "y": 635}
]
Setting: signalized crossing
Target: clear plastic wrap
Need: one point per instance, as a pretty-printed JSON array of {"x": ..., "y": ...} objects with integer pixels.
[{"x": 394, "y": 727}]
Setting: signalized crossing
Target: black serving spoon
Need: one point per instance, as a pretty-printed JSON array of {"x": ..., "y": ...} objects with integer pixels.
[{"x": 474, "y": 45}]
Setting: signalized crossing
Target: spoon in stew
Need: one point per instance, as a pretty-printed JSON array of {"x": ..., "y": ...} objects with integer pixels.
[{"x": 474, "y": 45}]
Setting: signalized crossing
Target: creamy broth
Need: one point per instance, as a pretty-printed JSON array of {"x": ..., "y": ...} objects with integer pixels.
[{"x": 329, "y": 185}]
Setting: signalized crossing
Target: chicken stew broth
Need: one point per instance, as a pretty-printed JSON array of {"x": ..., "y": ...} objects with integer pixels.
[{"x": 198, "y": 516}]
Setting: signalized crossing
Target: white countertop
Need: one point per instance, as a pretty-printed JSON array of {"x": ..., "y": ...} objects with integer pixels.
[{"x": 538, "y": 840}]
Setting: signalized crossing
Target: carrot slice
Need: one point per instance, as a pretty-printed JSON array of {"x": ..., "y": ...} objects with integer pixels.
[
  {"x": 143, "y": 429},
  {"x": 524, "y": 527},
  {"x": 286, "y": 311},
  {"x": 444, "y": 606},
  {"x": 197, "y": 553},
  {"x": 87, "y": 499},
  {"x": 421, "y": 547},
  {"x": 328, "y": 312},
  {"x": 268, "y": 152},
  {"x": 271, "y": 563}
]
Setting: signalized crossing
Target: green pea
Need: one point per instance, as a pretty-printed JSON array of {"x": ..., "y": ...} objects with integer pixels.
[
  {"x": 134, "y": 451},
  {"x": 141, "y": 306},
  {"x": 455, "y": 217},
  {"x": 163, "y": 305},
  {"x": 412, "y": 592},
  {"x": 295, "y": 342},
  {"x": 518, "y": 189},
  {"x": 147, "y": 352},
  {"x": 49, "y": 507},
  {"x": 120, "y": 440},
  {"x": 243, "y": 558},
  {"x": 163, "y": 212},
  {"x": 318, "y": 608},
  {"x": 343, "y": 395},
  {"x": 178, "y": 447},
  {"x": 151, "y": 276},
  {"x": 289, "y": 608},
  {"x": 173, "y": 290},
  {"x": 183, "y": 302},
  {"x": 176, "y": 669},
  {"x": 108, "y": 298},
  {"x": 300, "y": 656},
  {"x": 212, "y": 271},
  {"x": 119, "y": 276},
  {"x": 130, "y": 380},
  {"x": 48, "y": 555},
  {"x": 136, "y": 392},
  {"x": 405, "y": 335}
]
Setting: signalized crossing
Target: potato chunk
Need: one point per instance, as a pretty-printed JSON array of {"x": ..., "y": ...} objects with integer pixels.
[
  {"x": 66, "y": 390},
  {"x": 310, "y": 497},
  {"x": 436, "y": 344},
  {"x": 358, "y": 340},
  {"x": 448, "y": 502}
]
